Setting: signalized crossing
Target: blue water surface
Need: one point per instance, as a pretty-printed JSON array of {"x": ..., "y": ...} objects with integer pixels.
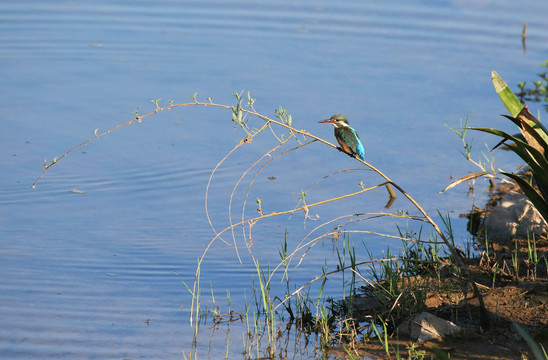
[{"x": 94, "y": 259}]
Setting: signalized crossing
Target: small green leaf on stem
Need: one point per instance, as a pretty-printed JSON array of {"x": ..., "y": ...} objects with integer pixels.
[
  {"x": 156, "y": 102},
  {"x": 250, "y": 100},
  {"x": 301, "y": 195},
  {"x": 282, "y": 114}
]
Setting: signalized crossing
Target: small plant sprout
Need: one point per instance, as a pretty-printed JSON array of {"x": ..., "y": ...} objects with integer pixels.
[
  {"x": 414, "y": 353},
  {"x": 137, "y": 116},
  {"x": 51, "y": 163},
  {"x": 156, "y": 102},
  {"x": 259, "y": 207},
  {"x": 532, "y": 256},
  {"x": 461, "y": 133},
  {"x": 282, "y": 114},
  {"x": 301, "y": 196},
  {"x": 250, "y": 101},
  {"x": 237, "y": 114},
  {"x": 515, "y": 260},
  {"x": 495, "y": 272}
]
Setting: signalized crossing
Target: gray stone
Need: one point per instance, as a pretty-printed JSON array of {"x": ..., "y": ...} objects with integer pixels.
[
  {"x": 425, "y": 326},
  {"x": 514, "y": 217}
]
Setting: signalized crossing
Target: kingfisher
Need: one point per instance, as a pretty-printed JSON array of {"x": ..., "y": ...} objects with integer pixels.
[{"x": 347, "y": 137}]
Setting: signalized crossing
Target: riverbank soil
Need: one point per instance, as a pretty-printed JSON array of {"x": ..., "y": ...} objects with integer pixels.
[
  {"x": 524, "y": 302},
  {"x": 512, "y": 279}
]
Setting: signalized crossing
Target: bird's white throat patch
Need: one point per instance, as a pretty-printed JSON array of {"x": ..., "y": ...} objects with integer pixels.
[{"x": 340, "y": 124}]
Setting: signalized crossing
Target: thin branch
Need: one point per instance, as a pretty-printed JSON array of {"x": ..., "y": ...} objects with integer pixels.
[{"x": 237, "y": 112}]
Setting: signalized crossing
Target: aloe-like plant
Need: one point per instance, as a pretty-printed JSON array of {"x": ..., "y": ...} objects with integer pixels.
[{"x": 530, "y": 144}]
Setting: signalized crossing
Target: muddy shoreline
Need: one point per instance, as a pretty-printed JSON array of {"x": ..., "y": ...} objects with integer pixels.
[{"x": 513, "y": 288}]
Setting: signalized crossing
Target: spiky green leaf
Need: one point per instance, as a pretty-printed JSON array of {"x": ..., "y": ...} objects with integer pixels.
[
  {"x": 508, "y": 98},
  {"x": 534, "y": 158}
]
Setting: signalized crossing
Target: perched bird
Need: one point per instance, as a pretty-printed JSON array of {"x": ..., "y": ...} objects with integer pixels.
[{"x": 347, "y": 137}]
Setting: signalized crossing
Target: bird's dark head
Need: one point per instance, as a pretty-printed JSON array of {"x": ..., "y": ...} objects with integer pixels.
[{"x": 338, "y": 120}]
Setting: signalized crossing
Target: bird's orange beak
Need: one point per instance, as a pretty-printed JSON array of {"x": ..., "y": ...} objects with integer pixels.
[{"x": 331, "y": 121}]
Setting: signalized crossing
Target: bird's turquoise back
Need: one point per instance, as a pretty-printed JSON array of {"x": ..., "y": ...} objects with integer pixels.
[{"x": 350, "y": 141}]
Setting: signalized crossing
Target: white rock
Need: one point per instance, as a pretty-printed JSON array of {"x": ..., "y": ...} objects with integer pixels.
[
  {"x": 425, "y": 326},
  {"x": 514, "y": 217}
]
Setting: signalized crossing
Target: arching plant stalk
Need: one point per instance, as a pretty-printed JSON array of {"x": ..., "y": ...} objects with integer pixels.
[{"x": 240, "y": 115}]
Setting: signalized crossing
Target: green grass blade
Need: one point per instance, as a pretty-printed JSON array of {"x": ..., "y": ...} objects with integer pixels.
[
  {"x": 532, "y": 344},
  {"x": 500, "y": 133}
]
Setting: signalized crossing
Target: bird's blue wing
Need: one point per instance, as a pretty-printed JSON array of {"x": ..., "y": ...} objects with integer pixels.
[{"x": 360, "y": 151}]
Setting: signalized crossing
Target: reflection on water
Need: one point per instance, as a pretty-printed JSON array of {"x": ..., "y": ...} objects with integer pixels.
[{"x": 99, "y": 274}]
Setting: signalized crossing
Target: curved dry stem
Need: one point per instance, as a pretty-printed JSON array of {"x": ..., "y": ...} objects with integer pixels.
[
  {"x": 275, "y": 213},
  {"x": 243, "y": 141},
  {"x": 389, "y": 181},
  {"x": 302, "y": 208},
  {"x": 268, "y": 121},
  {"x": 236, "y": 187},
  {"x": 253, "y": 180},
  {"x": 309, "y": 244},
  {"x": 370, "y": 216},
  {"x": 333, "y": 174},
  {"x": 57, "y": 160},
  {"x": 302, "y": 287},
  {"x": 272, "y": 214},
  {"x": 237, "y": 116}
]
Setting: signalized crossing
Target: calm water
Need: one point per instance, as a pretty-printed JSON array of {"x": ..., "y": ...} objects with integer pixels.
[{"x": 98, "y": 274}]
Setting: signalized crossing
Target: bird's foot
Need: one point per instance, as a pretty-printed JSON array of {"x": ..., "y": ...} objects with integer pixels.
[{"x": 342, "y": 150}]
